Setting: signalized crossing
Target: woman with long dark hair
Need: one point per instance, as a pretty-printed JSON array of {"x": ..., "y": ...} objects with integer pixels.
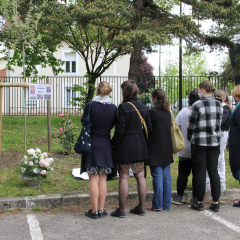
[
  {"x": 160, "y": 151},
  {"x": 204, "y": 132},
  {"x": 130, "y": 147}
]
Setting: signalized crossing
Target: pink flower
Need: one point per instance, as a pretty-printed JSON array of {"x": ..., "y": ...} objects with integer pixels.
[
  {"x": 43, "y": 172},
  {"x": 47, "y": 159},
  {"x": 46, "y": 164},
  {"x": 60, "y": 129},
  {"x": 42, "y": 163},
  {"x": 44, "y": 154},
  {"x": 30, "y": 163},
  {"x": 61, "y": 115}
]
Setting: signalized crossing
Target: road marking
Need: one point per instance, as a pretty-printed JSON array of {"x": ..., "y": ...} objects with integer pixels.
[
  {"x": 35, "y": 230},
  {"x": 221, "y": 220}
]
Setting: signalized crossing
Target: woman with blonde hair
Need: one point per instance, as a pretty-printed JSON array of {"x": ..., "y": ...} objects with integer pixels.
[
  {"x": 222, "y": 97},
  {"x": 234, "y": 138},
  {"x": 99, "y": 162}
]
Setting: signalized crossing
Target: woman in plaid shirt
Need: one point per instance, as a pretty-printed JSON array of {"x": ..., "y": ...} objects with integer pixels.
[{"x": 204, "y": 128}]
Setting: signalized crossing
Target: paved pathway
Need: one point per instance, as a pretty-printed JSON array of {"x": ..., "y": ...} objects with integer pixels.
[{"x": 179, "y": 223}]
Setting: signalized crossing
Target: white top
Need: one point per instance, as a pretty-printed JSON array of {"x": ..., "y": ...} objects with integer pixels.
[{"x": 182, "y": 121}]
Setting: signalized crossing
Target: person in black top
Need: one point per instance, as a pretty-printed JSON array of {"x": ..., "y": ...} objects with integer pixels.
[
  {"x": 99, "y": 162},
  {"x": 130, "y": 147},
  {"x": 160, "y": 151},
  {"x": 222, "y": 96}
]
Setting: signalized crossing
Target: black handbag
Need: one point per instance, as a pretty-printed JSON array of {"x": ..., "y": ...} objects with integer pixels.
[{"x": 83, "y": 143}]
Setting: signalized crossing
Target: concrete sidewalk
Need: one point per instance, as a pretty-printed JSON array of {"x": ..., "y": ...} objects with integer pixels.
[{"x": 58, "y": 200}]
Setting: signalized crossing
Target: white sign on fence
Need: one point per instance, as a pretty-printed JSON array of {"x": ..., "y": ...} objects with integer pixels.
[{"x": 40, "y": 92}]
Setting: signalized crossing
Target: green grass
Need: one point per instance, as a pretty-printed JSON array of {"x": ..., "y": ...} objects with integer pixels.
[{"x": 60, "y": 181}]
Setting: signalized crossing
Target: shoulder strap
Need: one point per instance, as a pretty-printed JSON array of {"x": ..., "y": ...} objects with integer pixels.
[
  {"x": 142, "y": 120},
  {"x": 90, "y": 103}
]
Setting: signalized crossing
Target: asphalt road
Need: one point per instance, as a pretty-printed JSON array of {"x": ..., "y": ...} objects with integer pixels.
[{"x": 179, "y": 223}]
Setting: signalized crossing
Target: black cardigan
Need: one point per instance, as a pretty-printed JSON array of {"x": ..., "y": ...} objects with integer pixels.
[
  {"x": 225, "y": 118},
  {"x": 160, "y": 141},
  {"x": 129, "y": 139}
]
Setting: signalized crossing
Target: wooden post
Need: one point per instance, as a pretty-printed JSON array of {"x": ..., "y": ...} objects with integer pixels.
[
  {"x": 49, "y": 122},
  {"x": 1, "y": 101}
]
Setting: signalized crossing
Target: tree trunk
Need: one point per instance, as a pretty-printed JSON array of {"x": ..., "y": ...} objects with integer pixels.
[
  {"x": 135, "y": 59},
  {"x": 91, "y": 88}
]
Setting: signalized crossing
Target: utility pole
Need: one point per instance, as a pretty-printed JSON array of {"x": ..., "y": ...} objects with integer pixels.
[
  {"x": 180, "y": 68},
  {"x": 159, "y": 67}
]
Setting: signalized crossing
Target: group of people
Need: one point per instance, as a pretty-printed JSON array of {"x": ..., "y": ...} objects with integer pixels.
[{"x": 204, "y": 126}]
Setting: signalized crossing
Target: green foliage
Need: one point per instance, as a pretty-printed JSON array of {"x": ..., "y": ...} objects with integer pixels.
[
  {"x": 37, "y": 208},
  {"x": 83, "y": 90},
  {"x": 193, "y": 65},
  {"x": 67, "y": 136},
  {"x": 21, "y": 33}
]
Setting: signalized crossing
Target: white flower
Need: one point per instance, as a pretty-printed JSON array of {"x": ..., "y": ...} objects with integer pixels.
[
  {"x": 51, "y": 160},
  {"x": 36, "y": 170},
  {"x": 36, "y": 161},
  {"x": 43, "y": 172},
  {"x": 26, "y": 162},
  {"x": 25, "y": 158},
  {"x": 40, "y": 156},
  {"x": 51, "y": 169},
  {"x": 30, "y": 163},
  {"x": 37, "y": 150},
  {"x": 45, "y": 154},
  {"x": 30, "y": 151},
  {"x": 34, "y": 155},
  {"x": 47, "y": 159},
  {"x": 23, "y": 170}
]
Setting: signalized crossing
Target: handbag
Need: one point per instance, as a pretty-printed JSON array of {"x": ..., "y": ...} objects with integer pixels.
[
  {"x": 178, "y": 142},
  {"x": 83, "y": 143},
  {"x": 142, "y": 120}
]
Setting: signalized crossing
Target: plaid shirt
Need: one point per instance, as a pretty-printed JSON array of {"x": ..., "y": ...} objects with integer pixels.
[{"x": 204, "y": 122}]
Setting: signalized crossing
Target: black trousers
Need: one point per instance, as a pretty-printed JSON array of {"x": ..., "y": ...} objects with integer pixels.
[
  {"x": 185, "y": 166},
  {"x": 205, "y": 158}
]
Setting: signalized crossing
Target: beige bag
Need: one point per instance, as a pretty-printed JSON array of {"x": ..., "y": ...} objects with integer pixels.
[
  {"x": 178, "y": 142},
  {"x": 142, "y": 120}
]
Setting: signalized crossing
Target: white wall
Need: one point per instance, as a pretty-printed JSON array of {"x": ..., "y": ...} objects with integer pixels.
[{"x": 118, "y": 68}]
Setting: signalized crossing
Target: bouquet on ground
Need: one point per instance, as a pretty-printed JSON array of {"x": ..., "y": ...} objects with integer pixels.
[{"x": 35, "y": 164}]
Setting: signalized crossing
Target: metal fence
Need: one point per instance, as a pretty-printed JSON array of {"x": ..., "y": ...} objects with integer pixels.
[{"x": 62, "y": 92}]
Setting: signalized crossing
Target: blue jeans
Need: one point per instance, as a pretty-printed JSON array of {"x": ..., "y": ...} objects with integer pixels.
[{"x": 162, "y": 187}]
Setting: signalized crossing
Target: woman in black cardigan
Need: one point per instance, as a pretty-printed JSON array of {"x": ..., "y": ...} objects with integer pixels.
[
  {"x": 160, "y": 151},
  {"x": 129, "y": 143}
]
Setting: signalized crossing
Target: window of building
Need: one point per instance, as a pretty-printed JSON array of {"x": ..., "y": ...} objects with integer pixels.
[{"x": 71, "y": 62}]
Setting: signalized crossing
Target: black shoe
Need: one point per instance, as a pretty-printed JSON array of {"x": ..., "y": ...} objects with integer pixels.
[
  {"x": 102, "y": 214},
  {"x": 214, "y": 207},
  {"x": 177, "y": 200},
  {"x": 91, "y": 214},
  {"x": 197, "y": 206},
  {"x": 138, "y": 211},
  {"x": 118, "y": 213}
]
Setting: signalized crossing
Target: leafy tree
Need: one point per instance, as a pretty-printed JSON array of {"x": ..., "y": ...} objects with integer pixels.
[
  {"x": 20, "y": 32},
  {"x": 146, "y": 77},
  {"x": 193, "y": 67}
]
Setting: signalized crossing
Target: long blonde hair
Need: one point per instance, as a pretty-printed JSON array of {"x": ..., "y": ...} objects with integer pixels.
[{"x": 223, "y": 94}]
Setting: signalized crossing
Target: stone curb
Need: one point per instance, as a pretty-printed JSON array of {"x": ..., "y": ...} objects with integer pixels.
[{"x": 58, "y": 200}]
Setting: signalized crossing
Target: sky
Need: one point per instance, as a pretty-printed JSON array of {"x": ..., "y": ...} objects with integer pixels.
[{"x": 213, "y": 59}]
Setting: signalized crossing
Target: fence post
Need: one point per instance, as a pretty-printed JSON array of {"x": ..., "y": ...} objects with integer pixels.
[
  {"x": 49, "y": 121},
  {"x": 1, "y": 101}
]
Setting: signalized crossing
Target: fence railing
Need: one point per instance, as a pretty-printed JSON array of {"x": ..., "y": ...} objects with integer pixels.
[{"x": 62, "y": 92}]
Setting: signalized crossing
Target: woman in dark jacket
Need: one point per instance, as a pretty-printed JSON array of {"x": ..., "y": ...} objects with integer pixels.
[
  {"x": 129, "y": 143},
  {"x": 160, "y": 151},
  {"x": 98, "y": 162},
  {"x": 234, "y": 138}
]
